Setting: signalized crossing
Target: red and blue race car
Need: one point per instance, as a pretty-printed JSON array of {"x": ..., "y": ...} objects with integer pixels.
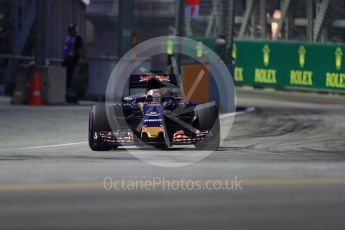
[{"x": 156, "y": 115}]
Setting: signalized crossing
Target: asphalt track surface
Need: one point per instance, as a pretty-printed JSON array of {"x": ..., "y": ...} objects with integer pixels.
[{"x": 288, "y": 157}]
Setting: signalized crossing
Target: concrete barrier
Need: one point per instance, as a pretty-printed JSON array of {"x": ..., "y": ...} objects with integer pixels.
[
  {"x": 21, "y": 78},
  {"x": 100, "y": 70},
  {"x": 53, "y": 84}
]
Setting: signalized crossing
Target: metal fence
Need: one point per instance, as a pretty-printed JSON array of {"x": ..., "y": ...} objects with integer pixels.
[
  {"x": 212, "y": 21},
  {"x": 296, "y": 20}
]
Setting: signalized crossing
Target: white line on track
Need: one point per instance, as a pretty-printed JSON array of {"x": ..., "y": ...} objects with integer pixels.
[
  {"x": 45, "y": 146},
  {"x": 248, "y": 110}
]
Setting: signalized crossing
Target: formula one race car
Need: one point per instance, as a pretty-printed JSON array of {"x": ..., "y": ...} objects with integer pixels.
[{"x": 156, "y": 116}]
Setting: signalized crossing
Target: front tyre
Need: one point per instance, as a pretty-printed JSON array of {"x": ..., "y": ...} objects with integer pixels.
[
  {"x": 208, "y": 121},
  {"x": 98, "y": 122}
]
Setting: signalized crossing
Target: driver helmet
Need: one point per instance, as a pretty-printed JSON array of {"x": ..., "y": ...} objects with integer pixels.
[{"x": 154, "y": 95}]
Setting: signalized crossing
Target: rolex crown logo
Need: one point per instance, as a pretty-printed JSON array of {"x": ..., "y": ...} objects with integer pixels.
[
  {"x": 234, "y": 52},
  {"x": 266, "y": 54},
  {"x": 200, "y": 52},
  {"x": 302, "y": 53},
  {"x": 338, "y": 58}
]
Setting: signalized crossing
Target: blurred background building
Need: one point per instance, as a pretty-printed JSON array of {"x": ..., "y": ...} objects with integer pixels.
[{"x": 109, "y": 27}]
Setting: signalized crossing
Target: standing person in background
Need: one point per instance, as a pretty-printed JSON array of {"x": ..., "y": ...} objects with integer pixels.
[{"x": 72, "y": 54}]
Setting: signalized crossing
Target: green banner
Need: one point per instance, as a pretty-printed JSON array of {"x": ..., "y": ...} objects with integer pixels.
[{"x": 284, "y": 64}]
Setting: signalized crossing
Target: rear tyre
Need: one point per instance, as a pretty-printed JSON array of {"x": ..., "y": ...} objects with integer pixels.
[
  {"x": 208, "y": 120},
  {"x": 98, "y": 122}
]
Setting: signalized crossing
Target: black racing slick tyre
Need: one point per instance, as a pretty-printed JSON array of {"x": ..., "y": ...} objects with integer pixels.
[
  {"x": 98, "y": 122},
  {"x": 208, "y": 120}
]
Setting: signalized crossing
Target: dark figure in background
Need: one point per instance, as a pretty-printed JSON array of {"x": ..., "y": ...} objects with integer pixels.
[{"x": 72, "y": 55}]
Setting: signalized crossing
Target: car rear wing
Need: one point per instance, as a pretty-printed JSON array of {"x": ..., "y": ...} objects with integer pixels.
[{"x": 142, "y": 81}]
